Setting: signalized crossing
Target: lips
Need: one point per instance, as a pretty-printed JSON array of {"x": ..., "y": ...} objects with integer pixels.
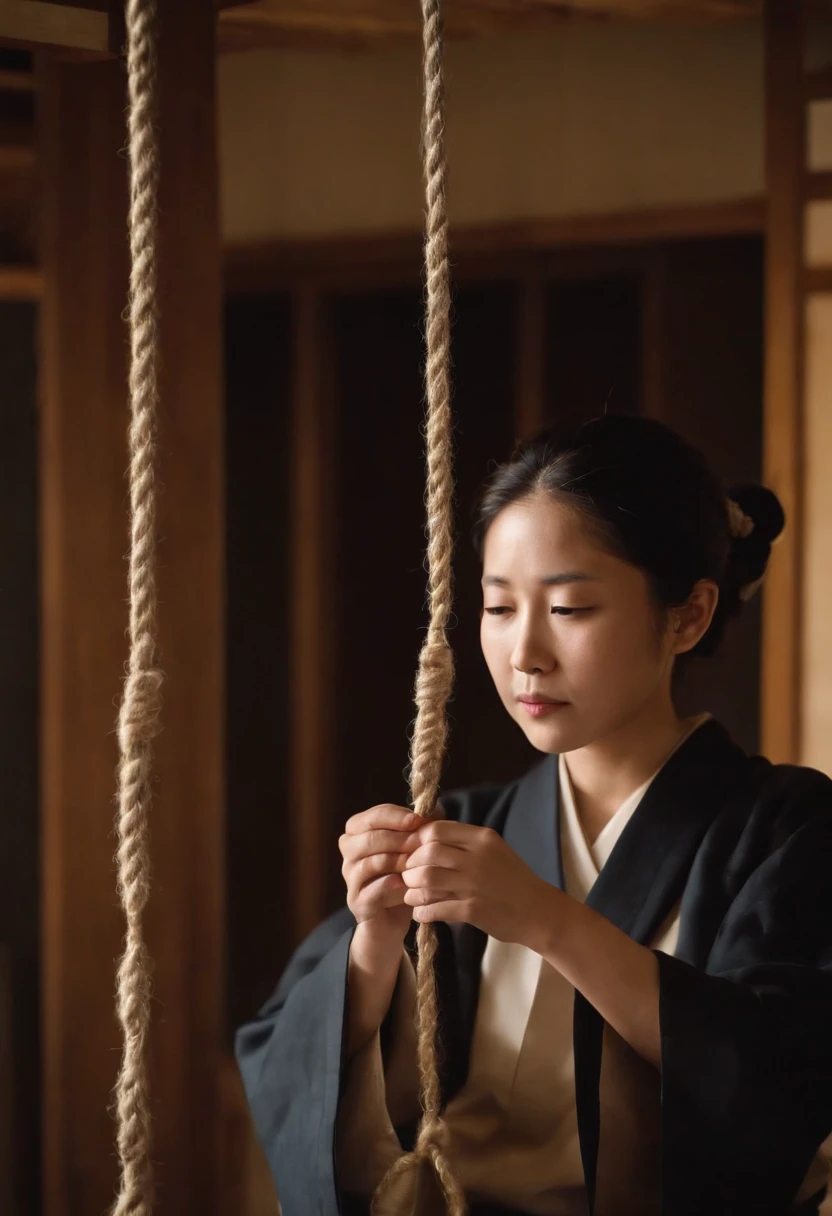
[{"x": 539, "y": 708}]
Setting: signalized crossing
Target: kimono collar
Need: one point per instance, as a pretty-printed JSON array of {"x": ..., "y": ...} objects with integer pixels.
[{"x": 646, "y": 871}]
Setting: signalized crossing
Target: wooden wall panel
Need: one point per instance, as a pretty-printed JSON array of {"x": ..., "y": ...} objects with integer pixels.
[
  {"x": 313, "y": 706},
  {"x": 593, "y": 346},
  {"x": 83, "y": 459},
  {"x": 711, "y": 371},
  {"x": 259, "y": 865}
]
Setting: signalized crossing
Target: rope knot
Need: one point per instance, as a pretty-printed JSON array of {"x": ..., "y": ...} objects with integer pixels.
[
  {"x": 436, "y": 672},
  {"x": 140, "y": 716},
  {"x": 432, "y": 1139}
]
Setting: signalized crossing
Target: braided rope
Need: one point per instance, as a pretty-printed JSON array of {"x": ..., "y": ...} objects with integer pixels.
[
  {"x": 435, "y": 676},
  {"x": 141, "y": 703}
]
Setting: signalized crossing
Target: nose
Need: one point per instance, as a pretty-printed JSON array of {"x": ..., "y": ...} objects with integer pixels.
[{"x": 532, "y": 652}]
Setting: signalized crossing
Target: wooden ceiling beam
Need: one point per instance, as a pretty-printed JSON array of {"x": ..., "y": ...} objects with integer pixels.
[
  {"x": 332, "y": 23},
  {"x": 79, "y": 29}
]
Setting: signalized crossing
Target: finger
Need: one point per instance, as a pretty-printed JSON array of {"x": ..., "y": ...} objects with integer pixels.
[
  {"x": 434, "y": 854},
  {"x": 457, "y": 835},
  {"x": 387, "y": 816},
  {"x": 451, "y": 911},
  {"x": 432, "y": 876},
  {"x": 367, "y": 869},
  {"x": 420, "y": 897},
  {"x": 385, "y": 892},
  {"x": 377, "y": 840}
]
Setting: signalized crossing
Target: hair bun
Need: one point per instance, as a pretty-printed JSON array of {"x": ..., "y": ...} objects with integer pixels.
[{"x": 762, "y": 506}]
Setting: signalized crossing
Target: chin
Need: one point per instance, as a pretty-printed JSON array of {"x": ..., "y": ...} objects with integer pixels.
[{"x": 553, "y": 736}]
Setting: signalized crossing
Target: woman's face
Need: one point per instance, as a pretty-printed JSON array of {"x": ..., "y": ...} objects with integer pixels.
[{"x": 570, "y": 633}]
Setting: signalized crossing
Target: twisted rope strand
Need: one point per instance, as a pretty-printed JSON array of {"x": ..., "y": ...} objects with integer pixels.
[
  {"x": 435, "y": 675},
  {"x": 141, "y": 703}
]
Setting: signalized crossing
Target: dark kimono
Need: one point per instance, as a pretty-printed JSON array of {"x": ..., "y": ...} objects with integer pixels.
[{"x": 744, "y": 848}]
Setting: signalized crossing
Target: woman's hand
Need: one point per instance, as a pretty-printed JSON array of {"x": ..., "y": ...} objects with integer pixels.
[
  {"x": 464, "y": 873},
  {"x": 375, "y": 847}
]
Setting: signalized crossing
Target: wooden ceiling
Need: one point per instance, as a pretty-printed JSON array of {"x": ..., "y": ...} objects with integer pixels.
[{"x": 356, "y": 23}]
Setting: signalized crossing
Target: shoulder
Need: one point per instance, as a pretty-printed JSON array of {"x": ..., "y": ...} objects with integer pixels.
[
  {"x": 790, "y": 798},
  {"x": 763, "y": 789},
  {"x": 791, "y": 783}
]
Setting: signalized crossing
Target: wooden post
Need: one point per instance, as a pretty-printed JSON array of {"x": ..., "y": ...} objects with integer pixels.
[
  {"x": 783, "y": 417},
  {"x": 84, "y": 541}
]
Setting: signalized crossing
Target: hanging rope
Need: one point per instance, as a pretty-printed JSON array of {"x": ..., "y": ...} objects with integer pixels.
[
  {"x": 435, "y": 676},
  {"x": 141, "y": 704}
]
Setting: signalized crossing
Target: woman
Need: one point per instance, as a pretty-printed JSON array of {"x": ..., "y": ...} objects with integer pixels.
[{"x": 635, "y": 964}]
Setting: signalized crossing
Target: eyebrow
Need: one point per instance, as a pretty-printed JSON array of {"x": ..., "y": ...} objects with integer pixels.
[{"x": 551, "y": 580}]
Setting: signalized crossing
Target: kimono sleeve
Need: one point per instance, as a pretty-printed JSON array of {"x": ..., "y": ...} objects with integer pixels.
[
  {"x": 290, "y": 1060},
  {"x": 292, "y": 1055},
  {"x": 747, "y": 1042},
  {"x": 379, "y": 1093}
]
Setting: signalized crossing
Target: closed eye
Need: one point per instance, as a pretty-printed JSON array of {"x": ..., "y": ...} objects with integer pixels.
[{"x": 569, "y": 611}]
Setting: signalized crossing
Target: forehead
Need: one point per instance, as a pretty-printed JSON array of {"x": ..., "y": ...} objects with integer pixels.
[{"x": 540, "y": 531}]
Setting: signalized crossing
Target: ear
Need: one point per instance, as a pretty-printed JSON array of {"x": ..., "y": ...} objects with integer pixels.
[{"x": 691, "y": 621}]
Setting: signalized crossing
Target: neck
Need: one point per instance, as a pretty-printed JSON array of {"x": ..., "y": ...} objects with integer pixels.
[{"x": 605, "y": 773}]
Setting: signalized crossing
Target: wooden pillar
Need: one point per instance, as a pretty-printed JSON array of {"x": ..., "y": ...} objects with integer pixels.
[
  {"x": 783, "y": 417},
  {"x": 797, "y": 677},
  {"x": 84, "y": 541}
]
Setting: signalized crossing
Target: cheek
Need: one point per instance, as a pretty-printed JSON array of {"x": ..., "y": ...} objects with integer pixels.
[{"x": 609, "y": 652}]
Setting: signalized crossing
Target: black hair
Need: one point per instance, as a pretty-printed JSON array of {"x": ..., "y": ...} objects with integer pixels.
[{"x": 654, "y": 501}]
